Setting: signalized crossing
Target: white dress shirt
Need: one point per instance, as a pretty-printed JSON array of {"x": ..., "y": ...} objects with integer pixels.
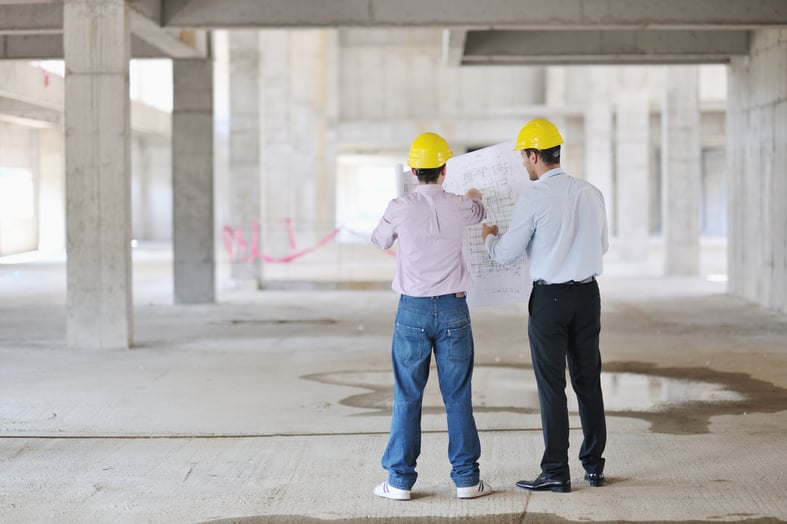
[{"x": 561, "y": 223}]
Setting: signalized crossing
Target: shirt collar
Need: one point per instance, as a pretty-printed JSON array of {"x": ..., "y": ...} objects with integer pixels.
[
  {"x": 423, "y": 188},
  {"x": 553, "y": 172}
]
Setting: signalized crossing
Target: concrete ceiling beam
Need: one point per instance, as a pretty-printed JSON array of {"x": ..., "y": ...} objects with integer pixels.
[
  {"x": 568, "y": 60},
  {"x": 21, "y": 113},
  {"x": 21, "y": 18},
  {"x": 40, "y": 17},
  {"x": 31, "y": 47},
  {"x": 623, "y": 46},
  {"x": 20, "y": 82},
  {"x": 173, "y": 43},
  {"x": 472, "y": 14},
  {"x": 50, "y": 47}
]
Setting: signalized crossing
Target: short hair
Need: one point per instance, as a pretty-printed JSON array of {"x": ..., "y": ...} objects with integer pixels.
[
  {"x": 429, "y": 175},
  {"x": 549, "y": 156}
]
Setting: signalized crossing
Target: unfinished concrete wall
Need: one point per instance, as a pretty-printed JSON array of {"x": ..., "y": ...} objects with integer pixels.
[
  {"x": 291, "y": 86},
  {"x": 757, "y": 181},
  {"x": 393, "y": 85}
]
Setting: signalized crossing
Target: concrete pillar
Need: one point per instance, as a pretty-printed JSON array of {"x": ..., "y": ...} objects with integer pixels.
[
  {"x": 293, "y": 79},
  {"x": 98, "y": 194},
  {"x": 279, "y": 165},
  {"x": 681, "y": 170},
  {"x": 632, "y": 174},
  {"x": 306, "y": 81},
  {"x": 328, "y": 101},
  {"x": 220, "y": 51},
  {"x": 757, "y": 160},
  {"x": 598, "y": 134},
  {"x": 244, "y": 184},
  {"x": 52, "y": 191},
  {"x": 192, "y": 182}
]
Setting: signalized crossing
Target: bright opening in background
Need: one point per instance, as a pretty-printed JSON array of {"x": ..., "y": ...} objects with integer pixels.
[
  {"x": 17, "y": 197},
  {"x": 150, "y": 80},
  {"x": 365, "y": 186}
]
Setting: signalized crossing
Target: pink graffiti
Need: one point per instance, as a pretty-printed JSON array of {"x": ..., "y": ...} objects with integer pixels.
[{"x": 239, "y": 249}]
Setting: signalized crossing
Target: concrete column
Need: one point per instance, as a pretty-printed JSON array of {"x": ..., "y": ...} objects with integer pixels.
[
  {"x": 98, "y": 194},
  {"x": 305, "y": 145},
  {"x": 192, "y": 182},
  {"x": 632, "y": 174},
  {"x": 220, "y": 51},
  {"x": 295, "y": 95},
  {"x": 52, "y": 191},
  {"x": 244, "y": 184},
  {"x": 328, "y": 102},
  {"x": 757, "y": 160},
  {"x": 681, "y": 170},
  {"x": 279, "y": 165},
  {"x": 599, "y": 165}
]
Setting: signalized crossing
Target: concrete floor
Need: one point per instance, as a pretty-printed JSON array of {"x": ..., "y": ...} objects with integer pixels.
[{"x": 273, "y": 407}]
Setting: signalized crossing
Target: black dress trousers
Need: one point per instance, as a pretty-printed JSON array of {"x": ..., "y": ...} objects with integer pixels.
[{"x": 564, "y": 325}]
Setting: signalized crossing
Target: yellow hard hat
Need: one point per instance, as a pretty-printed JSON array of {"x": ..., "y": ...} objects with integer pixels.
[
  {"x": 429, "y": 150},
  {"x": 538, "y": 134}
]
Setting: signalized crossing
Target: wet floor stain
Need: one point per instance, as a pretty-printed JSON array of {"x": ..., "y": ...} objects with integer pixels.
[
  {"x": 281, "y": 321},
  {"x": 508, "y": 518},
  {"x": 296, "y": 519},
  {"x": 673, "y": 400}
]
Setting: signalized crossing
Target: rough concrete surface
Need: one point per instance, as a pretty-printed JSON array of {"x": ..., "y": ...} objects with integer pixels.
[{"x": 273, "y": 407}]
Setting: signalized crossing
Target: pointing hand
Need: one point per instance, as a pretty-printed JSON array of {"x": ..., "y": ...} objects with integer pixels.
[
  {"x": 473, "y": 194},
  {"x": 488, "y": 230}
]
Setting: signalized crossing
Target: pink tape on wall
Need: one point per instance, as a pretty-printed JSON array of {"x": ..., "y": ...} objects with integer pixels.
[{"x": 239, "y": 249}]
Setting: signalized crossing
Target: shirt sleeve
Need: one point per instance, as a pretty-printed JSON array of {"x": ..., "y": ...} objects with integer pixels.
[
  {"x": 604, "y": 230},
  {"x": 474, "y": 211},
  {"x": 508, "y": 247},
  {"x": 384, "y": 234}
]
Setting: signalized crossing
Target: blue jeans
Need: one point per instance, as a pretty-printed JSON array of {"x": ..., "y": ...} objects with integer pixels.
[{"x": 424, "y": 324}]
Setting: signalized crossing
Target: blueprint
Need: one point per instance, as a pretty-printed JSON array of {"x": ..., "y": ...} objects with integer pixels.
[
  {"x": 405, "y": 180},
  {"x": 498, "y": 173}
]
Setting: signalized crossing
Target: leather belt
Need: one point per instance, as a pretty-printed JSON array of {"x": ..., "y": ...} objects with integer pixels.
[{"x": 588, "y": 280}]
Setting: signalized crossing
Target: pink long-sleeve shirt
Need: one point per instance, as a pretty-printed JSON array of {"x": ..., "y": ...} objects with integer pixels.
[{"x": 429, "y": 224}]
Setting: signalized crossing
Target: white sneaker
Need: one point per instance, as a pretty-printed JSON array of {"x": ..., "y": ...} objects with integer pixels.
[
  {"x": 387, "y": 491},
  {"x": 472, "y": 492}
]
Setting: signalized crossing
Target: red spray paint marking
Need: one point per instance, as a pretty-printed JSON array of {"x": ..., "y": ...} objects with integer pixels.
[{"x": 239, "y": 249}]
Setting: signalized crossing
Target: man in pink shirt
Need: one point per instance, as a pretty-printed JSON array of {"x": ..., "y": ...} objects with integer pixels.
[{"x": 431, "y": 278}]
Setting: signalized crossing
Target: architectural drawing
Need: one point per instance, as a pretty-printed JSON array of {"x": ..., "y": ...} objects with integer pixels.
[
  {"x": 405, "y": 180},
  {"x": 498, "y": 173}
]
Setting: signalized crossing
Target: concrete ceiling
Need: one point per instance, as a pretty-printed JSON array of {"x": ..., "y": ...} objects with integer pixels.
[
  {"x": 32, "y": 30},
  {"x": 477, "y": 32}
]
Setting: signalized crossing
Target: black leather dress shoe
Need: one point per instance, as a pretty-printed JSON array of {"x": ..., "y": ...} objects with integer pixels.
[
  {"x": 546, "y": 484},
  {"x": 595, "y": 479}
]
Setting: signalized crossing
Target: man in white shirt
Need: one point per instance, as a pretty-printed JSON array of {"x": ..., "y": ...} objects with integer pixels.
[{"x": 561, "y": 224}]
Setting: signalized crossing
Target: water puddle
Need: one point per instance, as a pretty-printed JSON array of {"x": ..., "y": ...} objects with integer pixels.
[{"x": 673, "y": 400}]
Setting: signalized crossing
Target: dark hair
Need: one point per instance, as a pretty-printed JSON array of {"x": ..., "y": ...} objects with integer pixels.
[
  {"x": 549, "y": 156},
  {"x": 428, "y": 175}
]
